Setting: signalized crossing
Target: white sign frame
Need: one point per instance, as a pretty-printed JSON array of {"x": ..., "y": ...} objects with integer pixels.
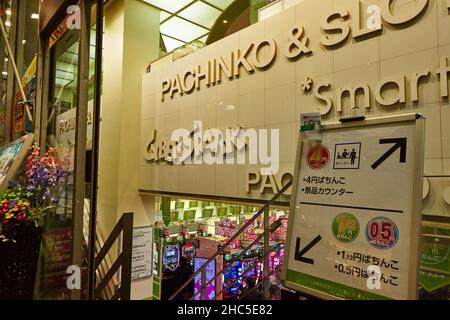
[
  {"x": 416, "y": 198},
  {"x": 149, "y": 271}
]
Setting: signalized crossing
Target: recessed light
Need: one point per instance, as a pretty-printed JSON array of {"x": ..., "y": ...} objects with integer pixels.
[
  {"x": 8, "y": 12},
  {"x": 225, "y": 21},
  {"x": 35, "y": 16},
  {"x": 8, "y": 24},
  {"x": 6, "y": 59}
]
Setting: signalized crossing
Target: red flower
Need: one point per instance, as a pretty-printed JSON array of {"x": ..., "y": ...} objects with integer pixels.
[{"x": 21, "y": 218}]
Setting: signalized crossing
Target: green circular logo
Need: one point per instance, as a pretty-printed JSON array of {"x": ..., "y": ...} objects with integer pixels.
[
  {"x": 434, "y": 253},
  {"x": 345, "y": 227}
]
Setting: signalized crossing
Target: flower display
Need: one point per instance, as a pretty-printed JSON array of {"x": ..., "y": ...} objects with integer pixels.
[{"x": 36, "y": 191}]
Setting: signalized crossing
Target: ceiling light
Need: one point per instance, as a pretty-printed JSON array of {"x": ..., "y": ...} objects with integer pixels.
[
  {"x": 225, "y": 21},
  {"x": 4, "y": 73},
  {"x": 8, "y": 24},
  {"x": 183, "y": 30},
  {"x": 201, "y": 13},
  {"x": 6, "y": 59},
  {"x": 35, "y": 16},
  {"x": 8, "y": 12},
  {"x": 170, "y": 6}
]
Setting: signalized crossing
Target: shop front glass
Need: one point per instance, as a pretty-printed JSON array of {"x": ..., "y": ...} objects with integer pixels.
[
  {"x": 434, "y": 278},
  {"x": 188, "y": 224},
  {"x": 57, "y": 245},
  {"x": 20, "y": 19},
  {"x": 57, "y": 239}
]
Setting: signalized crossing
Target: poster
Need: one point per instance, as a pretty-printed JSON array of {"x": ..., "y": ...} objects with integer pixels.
[
  {"x": 435, "y": 256},
  {"x": 142, "y": 256},
  {"x": 66, "y": 125},
  {"x": 21, "y": 123},
  {"x": 7, "y": 156},
  {"x": 210, "y": 291},
  {"x": 350, "y": 231}
]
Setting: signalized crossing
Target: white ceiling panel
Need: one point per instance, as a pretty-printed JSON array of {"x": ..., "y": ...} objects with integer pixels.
[
  {"x": 182, "y": 29},
  {"x": 169, "y": 5},
  {"x": 201, "y": 13}
]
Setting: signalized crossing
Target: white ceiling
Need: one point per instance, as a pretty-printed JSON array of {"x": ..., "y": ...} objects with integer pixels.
[{"x": 183, "y": 21}]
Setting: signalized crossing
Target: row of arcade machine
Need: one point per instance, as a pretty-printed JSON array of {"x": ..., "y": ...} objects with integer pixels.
[
  {"x": 241, "y": 275},
  {"x": 183, "y": 256}
]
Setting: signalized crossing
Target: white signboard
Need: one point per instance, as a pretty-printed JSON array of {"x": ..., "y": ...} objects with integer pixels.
[
  {"x": 142, "y": 257},
  {"x": 66, "y": 125},
  {"x": 356, "y": 211}
]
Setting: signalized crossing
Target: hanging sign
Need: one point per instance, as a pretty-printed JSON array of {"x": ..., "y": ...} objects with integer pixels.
[
  {"x": 226, "y": 228},
  {"x": 355, "y": 211}
]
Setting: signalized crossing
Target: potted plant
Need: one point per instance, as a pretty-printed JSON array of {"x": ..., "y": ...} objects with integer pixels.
[{"x": 22, "y": 210}]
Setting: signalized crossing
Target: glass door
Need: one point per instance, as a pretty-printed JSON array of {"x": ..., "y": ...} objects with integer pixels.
[
  {"x": 57, "y": 244},
  {"x": 69, "y": 69}
]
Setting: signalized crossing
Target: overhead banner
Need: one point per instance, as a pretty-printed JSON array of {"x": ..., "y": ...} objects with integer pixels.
[{"x": 355, "y": 211}]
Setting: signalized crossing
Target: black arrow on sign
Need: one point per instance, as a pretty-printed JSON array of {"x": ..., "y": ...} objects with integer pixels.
[
  {"x": 299, "y": 253},
  {"x": 398, "y": 143}
]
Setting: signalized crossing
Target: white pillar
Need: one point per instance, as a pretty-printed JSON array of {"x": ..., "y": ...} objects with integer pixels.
[{"x": 131, "y": 41}]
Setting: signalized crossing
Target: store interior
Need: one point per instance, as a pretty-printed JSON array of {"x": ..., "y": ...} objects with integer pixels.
[{"x": 189, "y": 224}]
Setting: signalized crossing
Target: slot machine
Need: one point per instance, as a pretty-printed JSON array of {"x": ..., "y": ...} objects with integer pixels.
[
  {"x": 171, "y": 257},
  {"x": 188, "y": 251},
  {"x": 232, "y": 276}
]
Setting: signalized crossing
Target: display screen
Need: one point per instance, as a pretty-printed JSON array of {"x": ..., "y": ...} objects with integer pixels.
[
  {"x": 170, "y": 253},
  {"x": 232, "y": 277},
  {"x": 7, "y": 156},
  {"x": 210, "y": 291},
  {"x": 249, "y": 266}
]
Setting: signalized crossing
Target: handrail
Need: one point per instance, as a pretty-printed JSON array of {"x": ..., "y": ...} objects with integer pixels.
[
  {"x": 275, "y": 225},
  {"x": 123, "y": 227},
  {"x": 440, "y": 272},
  {"x": 234, "y": 236},
  {"x": 245, "y": 271},
  {"x": 436, "y": 238},
  {"x": 109, "y": 242},
  {"x": 108, "y": 276}
]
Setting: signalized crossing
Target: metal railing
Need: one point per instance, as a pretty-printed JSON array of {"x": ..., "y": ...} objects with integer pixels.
[
  {"x": 244, "y": 272},
  {"x": 275, "y": 225},
  {"x": 106, "y": 264},
  {"x": 123, "y": 228}
]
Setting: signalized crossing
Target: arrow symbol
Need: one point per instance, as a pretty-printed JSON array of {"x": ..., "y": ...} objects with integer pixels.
[
  {"x": 299, "y": 253},
  {"x": 399, "y": 143}
]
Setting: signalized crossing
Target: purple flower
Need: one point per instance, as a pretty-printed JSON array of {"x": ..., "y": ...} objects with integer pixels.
[
  {"x": 12, "y": 204},
  {"x": 13, "y": 183}
]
